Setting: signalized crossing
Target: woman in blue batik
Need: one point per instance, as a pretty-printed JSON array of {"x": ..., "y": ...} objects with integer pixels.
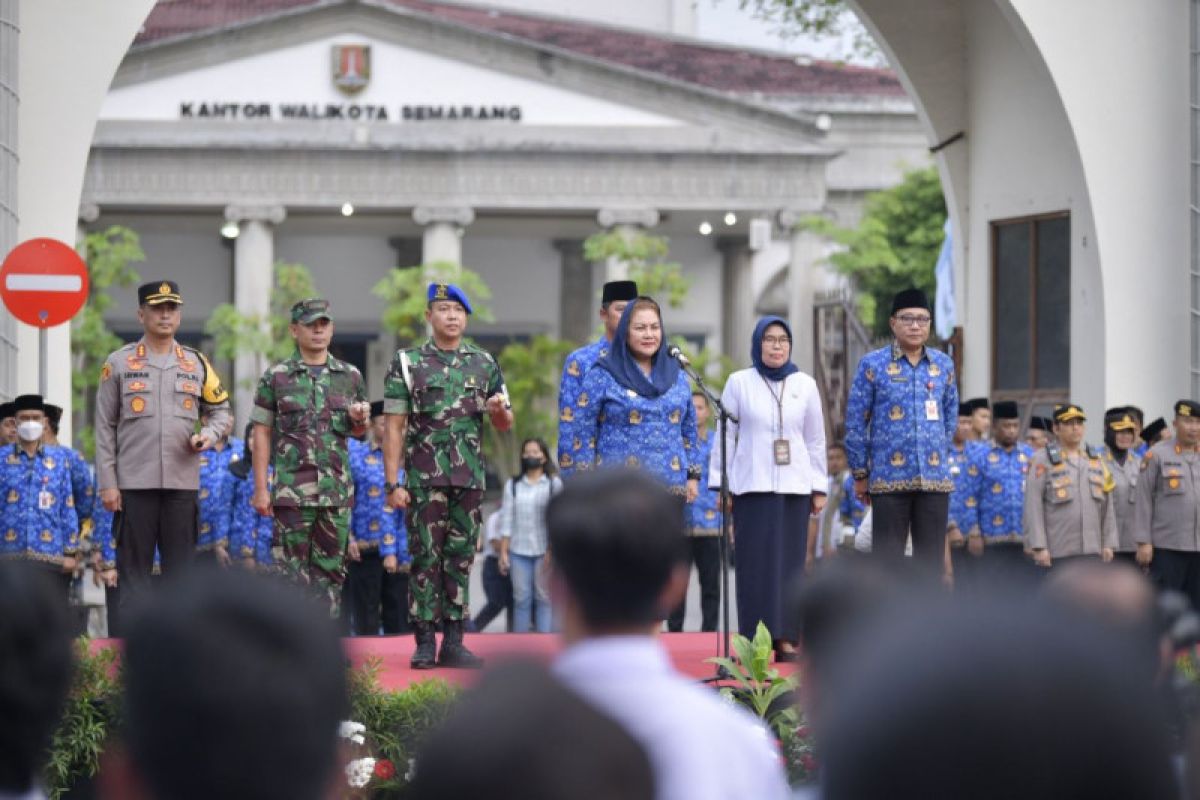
[{"x": 635, "y": 409}]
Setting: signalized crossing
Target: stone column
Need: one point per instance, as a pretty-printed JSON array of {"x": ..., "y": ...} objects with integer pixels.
[
  {"x": 737, "y": 297},
  {"x": 253, "y": 279},
  {"x": 576, "y": 305},
  {"x": 628, "y": 222},
  {"x": 442, "y": 237},
  {"x": 807, "y": 251}
]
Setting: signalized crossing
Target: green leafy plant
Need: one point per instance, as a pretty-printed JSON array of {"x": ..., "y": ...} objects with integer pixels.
[
  {"x": 236, "y": 333},
  {"x": 531, "y": 370},
  {"x": 109, "y": 254},
  {"x": 88, "y": 717},
  {"x": 894, "y": 246},
  {"x": 404, "y": 293},
  {"x": 645, "y": 255}
]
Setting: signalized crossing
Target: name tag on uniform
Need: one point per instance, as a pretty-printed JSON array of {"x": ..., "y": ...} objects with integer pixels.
[
  {"x": 45, "y": 500},
  {"x": 931, "y": 410},
  {"x": 783, "y": 452}
]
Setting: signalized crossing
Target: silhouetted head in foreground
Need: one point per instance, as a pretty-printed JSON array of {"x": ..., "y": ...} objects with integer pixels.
[
  {"x": 35, "y": 671},
  {"x": 522, "y": 735},
  {"x": 1002, "y": 698},
  {"x": 234, "y": 688}
]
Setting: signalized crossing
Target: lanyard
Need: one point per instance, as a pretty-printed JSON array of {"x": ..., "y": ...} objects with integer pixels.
[{"x": 778, "y": 398}]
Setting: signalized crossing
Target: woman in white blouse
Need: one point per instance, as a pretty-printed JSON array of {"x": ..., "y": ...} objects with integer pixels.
[{"x": 776, "y": 455}]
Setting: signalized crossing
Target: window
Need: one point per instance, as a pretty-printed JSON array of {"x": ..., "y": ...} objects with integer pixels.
[{"x": 1031, "y": 309}]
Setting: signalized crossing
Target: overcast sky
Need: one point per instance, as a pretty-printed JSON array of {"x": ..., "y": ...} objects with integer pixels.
[{"x": 723, "y": 21}]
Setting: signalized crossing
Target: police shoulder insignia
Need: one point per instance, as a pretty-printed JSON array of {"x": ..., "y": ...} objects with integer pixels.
[
  {"x": 213, "y": 391},
  {"x": 106, "y": 371}
]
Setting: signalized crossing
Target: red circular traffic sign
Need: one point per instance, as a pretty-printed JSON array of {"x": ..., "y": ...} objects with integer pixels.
[{"x": 43, "y": 282}]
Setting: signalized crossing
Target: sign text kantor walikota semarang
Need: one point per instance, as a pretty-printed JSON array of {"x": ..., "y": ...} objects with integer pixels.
[{"x": 349, "y": 111}]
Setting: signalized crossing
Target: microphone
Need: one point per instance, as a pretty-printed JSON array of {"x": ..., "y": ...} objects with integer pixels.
[{"x": 674, "y": 352}]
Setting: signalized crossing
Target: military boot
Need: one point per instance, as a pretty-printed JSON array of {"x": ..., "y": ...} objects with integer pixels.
[
  {"x": 454, "y": 652},
  {"x": 423, "y": 656}
]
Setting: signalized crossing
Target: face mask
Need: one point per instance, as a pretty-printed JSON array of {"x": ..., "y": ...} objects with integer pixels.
[
  {"x": 529, "y": 463},
  {"x": 30, "y": 431}
]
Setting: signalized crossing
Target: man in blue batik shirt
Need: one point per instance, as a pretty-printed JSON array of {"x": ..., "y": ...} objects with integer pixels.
[
  {"x": 615, "y": 297},
  {"x": 378, "y": 559},
  {"x": 962, "y": 505},
  {"x": 39, "y": 523},
  {"x": 996, "y": 542},
  {"x": 704, "y": 531},
  {"x": 900, "y": 419},
  {"x": 216, "y": 501},
  {"x": 83, "y": 487}
]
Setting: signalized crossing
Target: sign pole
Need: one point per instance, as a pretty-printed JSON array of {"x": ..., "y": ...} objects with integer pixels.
[{"x": 43, "y": 361}]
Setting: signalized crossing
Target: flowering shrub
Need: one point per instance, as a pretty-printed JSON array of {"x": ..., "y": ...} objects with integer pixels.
[{"x": 385, "y": 729}]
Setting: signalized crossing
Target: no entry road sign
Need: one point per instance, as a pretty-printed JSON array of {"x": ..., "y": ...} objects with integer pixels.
[{"x": 43, "y": 282}]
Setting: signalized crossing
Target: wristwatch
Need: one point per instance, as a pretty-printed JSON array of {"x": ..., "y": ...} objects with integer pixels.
[{"x": 388, "y": 488}]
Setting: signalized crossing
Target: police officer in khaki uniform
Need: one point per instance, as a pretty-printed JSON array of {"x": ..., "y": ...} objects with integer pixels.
[
  {"x": 1167, "y": 509},
  {"x": 159, "y": 405},
  {"x": 1120, "y": 438},
  {"x": 1068, "y": 496}
]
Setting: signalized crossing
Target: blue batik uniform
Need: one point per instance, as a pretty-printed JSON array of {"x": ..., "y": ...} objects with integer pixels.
[
  {"x": 216, "y": 496},
  {"x": 706, "y": 510},
  {"x": 1141, "y": 450},
  {"x": 962, "y": 502},
  {"x": 83, "y": 486},
  {"x": 851, "y": 510},
  {"x": 575, "y": 369},
  {"x": 250, "y": 532},
  {"x": 619, "y": 427},
  {"x": 39, "y": 519},
  {"x": 374, "y": 524},
  {"x": 999, "y": 490},
  {"x": 889, "y": 434},
  {"x": 102, "y": 537}
]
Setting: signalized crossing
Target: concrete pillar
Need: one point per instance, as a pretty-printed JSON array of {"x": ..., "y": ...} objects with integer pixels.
[
  {"x": 628, "y": 222},
  {"x": 802, "y": 279},
  {"x": 253, "y": 280},
  {"x": 441, "y": 240},
  {"x": 737, "y": 297},
  {"x": 577, "y": 305}
]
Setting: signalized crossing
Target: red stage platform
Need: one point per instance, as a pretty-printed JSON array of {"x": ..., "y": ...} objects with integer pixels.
[{"x": 688, "y": 652}]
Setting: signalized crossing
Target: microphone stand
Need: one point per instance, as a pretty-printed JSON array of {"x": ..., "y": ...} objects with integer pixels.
[{"x": 723, "y": 418}]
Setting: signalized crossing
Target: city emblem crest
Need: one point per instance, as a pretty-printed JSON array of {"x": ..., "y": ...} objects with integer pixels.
[{"x": 351, "y": 65}]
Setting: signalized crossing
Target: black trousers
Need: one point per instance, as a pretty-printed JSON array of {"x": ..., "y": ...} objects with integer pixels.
[
  {"x": 498, "y": 590},
  {"x": 375, "y": 595},
  {"x": 1178, "y": 570},
  {"x": 705, "y": 553},
  {"x": 166, "y": 519},
  {"x": 895, "y": 515},
  {"x": 1002, "y": 566}
]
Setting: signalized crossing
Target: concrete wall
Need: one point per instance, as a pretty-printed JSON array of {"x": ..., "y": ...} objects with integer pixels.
[
  {"x": 68, "y": 54},
  {"x": 659, "y": 16}
]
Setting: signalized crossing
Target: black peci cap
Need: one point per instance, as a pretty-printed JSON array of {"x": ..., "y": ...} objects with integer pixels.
[
  {"x": 910, "y": 298},
  {"x": 1005, "y": 409}
]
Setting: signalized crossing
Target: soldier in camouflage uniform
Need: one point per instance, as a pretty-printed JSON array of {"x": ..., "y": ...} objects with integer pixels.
[
  {"x": 435, "y": 397},
  {"x": 312, "y": 402}
]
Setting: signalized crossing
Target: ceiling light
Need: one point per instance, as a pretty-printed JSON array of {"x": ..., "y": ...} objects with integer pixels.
[
  {"x": 230, "y": 230},
  {"x": 731, "y": 218},
  {"x": 347, "y": 209},
  {"x": 705, "y": 228}
]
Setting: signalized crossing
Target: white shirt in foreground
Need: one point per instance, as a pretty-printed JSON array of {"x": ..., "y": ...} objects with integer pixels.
[{"x": 700, "y": 746}]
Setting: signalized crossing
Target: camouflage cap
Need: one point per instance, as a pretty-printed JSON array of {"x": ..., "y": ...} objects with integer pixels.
[{"x": 308, "y": 311}]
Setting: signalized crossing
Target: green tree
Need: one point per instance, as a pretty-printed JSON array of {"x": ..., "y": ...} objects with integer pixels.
[
  {"x": 108, "y": 254},
  {"x": 531, "y": 370},
  {"x": 828, "y": 20},
  {"x": 405, "y": 289},
  {"x": 645, "y": 255},
  {"x": 895, "y": 246},
  {"x": 236, "y": 333}
]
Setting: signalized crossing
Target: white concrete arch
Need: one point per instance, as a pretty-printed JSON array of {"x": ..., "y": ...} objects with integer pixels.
[{"x": 1077, "y": 106}]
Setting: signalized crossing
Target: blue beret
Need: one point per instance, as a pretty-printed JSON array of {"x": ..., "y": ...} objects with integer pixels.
[{"x": 448, "y": 291}]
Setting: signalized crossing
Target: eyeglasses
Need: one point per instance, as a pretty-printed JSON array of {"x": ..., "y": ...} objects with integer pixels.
[
  {"x": 912, "y": 319},
  {"x": 777, "y": 340}
]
